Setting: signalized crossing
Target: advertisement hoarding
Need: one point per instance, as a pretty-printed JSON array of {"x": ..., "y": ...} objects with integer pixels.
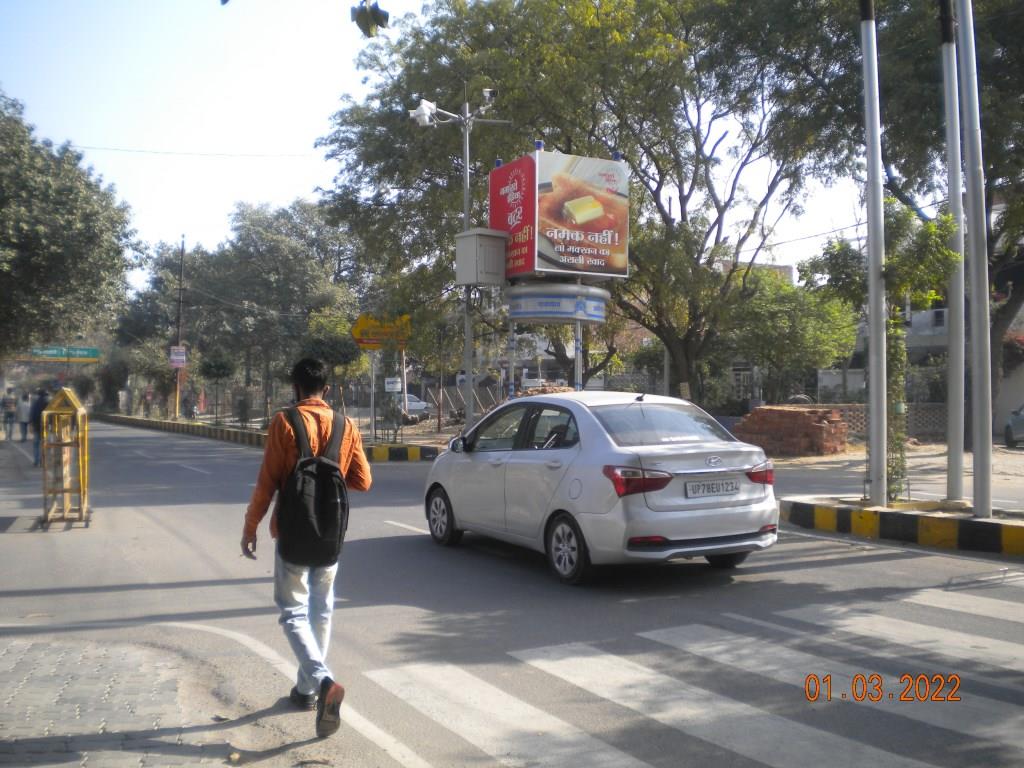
[{"x": 565, "y": 214}]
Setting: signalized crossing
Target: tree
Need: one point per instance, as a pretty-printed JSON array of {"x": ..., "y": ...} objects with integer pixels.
[
  {"x": 917, "y": 269},
  {"x": 64, "y": 239},
  {"x": 715, "y": 160},
  {"x": 813, "y": 52},
  {"x": 786, "y": 331}
]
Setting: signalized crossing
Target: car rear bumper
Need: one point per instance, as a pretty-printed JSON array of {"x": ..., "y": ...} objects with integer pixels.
[{"x": 687, "y": 534}]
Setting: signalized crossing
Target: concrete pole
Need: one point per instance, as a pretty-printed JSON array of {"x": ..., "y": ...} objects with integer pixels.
[
  {"x": 877, "y": 427},
  {"x": 578, "y": 368},
  {"x": 178, "y": 371},
  {"x": 977, "y": 253},
  {"x": 955, "y": 293},
  {"x": 467, "y": 350}
]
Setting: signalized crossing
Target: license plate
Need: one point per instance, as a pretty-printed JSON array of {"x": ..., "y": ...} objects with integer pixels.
[{"x": 696, "y": 489}]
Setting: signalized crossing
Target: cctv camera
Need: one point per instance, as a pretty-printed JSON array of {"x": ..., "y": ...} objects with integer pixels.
[{"x": 490, "y": 94}]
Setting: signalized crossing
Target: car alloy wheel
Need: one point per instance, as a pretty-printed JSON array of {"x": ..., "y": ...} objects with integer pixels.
[
  {"x": 567, "y": 551},
  {"x": 441, "y": 520}
]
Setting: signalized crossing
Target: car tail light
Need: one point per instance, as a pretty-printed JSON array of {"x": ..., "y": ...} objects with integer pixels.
[
  {"x": 629, "y": 480},
  {"x": 770, "y": 528},
  {"x": 763, "y": 474}
]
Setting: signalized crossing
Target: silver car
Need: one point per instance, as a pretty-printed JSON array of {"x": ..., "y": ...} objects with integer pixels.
[{"x": 593, "y": 478}]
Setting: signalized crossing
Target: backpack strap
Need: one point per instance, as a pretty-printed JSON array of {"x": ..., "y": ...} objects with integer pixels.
[
  {"x": 301, "y": 436},
  {"x": 333, "y": 451}
]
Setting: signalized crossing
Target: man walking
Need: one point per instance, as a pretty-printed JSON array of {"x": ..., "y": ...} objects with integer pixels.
[
  {"x": 305, "y": 594},
  {"x": 36, "y": 417},
  {"x": 24, "y": 415}
]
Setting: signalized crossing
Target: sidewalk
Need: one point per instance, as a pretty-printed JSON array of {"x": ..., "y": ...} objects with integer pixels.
[{"x": 103, "y": 696}]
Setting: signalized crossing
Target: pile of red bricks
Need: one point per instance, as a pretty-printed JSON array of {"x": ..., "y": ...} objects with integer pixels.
[{"x": 793, "y": 431}]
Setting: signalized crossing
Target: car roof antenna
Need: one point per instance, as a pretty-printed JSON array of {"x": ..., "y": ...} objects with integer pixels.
[{"x": 640, "y": 397}]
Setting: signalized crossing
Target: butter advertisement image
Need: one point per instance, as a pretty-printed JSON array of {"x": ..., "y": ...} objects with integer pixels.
[
  {"x": 513, "y": 208},
  {"x": 582, "y": 215}
]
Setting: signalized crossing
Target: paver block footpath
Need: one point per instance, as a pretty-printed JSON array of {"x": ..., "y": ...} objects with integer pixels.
[{"x": 95, "y": 704}]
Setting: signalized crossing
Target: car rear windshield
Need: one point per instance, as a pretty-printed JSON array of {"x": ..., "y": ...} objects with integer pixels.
[{"x": 639, "y": 423}]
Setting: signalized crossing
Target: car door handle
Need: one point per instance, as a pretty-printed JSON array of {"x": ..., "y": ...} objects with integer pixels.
[
  {"x": 553, "y": 464},
  {"x": 496, "y": 462}
]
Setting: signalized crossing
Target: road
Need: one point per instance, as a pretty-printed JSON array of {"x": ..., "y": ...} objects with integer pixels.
[{"x": 147, "y": 640}]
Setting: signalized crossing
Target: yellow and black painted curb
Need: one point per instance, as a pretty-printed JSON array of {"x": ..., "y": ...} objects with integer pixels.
[
  {"x": 377, "y": 452},
  {"x": 926, "y": 527}
]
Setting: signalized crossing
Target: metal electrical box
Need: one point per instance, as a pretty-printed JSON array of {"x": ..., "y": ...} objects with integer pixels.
[{"x": 480, "y": 257}]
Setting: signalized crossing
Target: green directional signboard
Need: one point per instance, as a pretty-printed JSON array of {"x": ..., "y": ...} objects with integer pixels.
[{"x": 62, "y": 355}]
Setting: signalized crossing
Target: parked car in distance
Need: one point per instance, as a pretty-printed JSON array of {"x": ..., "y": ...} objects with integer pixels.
[
  {"x": 1014, "y": 432},
  {"x": 414, "y": 409},
  {"x": 592, "y": 478}
]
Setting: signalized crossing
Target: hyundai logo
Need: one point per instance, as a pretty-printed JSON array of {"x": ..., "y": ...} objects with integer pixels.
[{"x": 713, "y": 461}]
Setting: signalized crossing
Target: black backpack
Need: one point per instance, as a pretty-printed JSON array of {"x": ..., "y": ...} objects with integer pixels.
[{"x": 312, "y": 508}]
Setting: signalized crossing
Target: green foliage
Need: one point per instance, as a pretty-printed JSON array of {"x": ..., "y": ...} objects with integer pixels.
[
  {"x": 786, "y": 331},
  {"x": 708, "y": 146},
  {"x": 63, "y": 239}
]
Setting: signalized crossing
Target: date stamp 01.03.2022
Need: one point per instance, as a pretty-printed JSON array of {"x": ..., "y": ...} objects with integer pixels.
[{"x": 875, "y": 688}]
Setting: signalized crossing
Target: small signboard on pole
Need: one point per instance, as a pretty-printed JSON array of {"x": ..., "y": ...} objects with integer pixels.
[
  {"x": 393, "y": 384},
  {"x": 177, "y": 357}
]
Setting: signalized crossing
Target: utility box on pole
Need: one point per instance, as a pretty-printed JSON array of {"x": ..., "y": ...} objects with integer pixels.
[{"x": 480, "y": 257}]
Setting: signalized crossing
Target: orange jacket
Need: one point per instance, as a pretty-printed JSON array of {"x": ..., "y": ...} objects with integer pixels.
[{"x": 281, "y": 454}]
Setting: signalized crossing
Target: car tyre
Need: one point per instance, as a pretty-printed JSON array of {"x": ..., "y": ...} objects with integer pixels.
[
  {"x": 726, "y": 561},
  {"x": 1008, "y": 435},
  {"x": 567, "y": 550},
  {"x": 441, "y": 519}
]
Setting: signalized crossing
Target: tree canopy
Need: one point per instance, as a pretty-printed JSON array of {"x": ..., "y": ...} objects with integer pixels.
[{"x": 64, "y": 239}]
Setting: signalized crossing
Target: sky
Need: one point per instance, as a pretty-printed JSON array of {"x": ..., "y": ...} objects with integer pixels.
[{"x": 188, "y": 107}]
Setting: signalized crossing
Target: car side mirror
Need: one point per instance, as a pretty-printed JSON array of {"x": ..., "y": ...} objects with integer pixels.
[{"x": 459, "y": 445}]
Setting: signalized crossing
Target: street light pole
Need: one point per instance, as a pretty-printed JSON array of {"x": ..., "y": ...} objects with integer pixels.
[
  {"x": 467, "y": 349},
  {"x": 177, "y": 371},
  {"x": 427, "y": 114}
]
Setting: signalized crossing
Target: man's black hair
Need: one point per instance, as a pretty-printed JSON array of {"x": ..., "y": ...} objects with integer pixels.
[{"x": 310, "y": 376}]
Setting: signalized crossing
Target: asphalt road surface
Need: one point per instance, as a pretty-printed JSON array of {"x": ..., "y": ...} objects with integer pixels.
[{"x": 475, "y": 655}]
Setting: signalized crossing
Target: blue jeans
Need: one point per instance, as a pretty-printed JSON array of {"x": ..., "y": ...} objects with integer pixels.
[
  {"x": 305, "y": 596},
  {"x": 8, "y": 425},
  {"x": 37, "y": 445}
]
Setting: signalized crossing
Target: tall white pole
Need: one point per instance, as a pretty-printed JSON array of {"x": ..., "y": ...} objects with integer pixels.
[
  {"x": 955, "y": 293},
  {"x": 977, "y": 253},
  {"x": 467, "y": 349},
  {"x": 877, "y": 469}
]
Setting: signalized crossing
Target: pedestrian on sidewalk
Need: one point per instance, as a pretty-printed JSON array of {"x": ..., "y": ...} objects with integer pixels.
[
  {"x": 36, "y": 417},
  {"x": 10, "y": 409},
  {"x": 24, "y": 415},
  {"x": 305, "y": 594}
]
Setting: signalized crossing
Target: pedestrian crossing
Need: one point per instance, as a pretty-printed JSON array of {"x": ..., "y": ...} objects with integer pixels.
[{"x": 673, "y": 683}]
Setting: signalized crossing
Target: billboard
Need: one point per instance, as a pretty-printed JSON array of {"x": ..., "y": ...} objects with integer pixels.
[{"x": 565, "y": 214}]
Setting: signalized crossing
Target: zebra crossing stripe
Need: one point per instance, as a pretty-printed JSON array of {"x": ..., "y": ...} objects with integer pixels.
[
  {"x": 926, "y": 639},
  {"x": 703, "y": 714},
  {"x": 1004, "y": 610},
  {"x": 508, "y": 729},
  {"x": 973, "y": 715}
]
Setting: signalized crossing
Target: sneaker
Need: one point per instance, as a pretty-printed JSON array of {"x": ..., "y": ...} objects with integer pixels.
[
  {"x": 306, "y": 701},
  {"x": 328, "y": 708}
]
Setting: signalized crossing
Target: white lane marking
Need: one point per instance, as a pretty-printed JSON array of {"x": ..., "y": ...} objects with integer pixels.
[
  {"x": 788, "y": 530},
  {"x": 973, "y": 715},
  {"x": 703, "y": 714},
  {"x": 842, "y": 644},
  {"x": 144, "y": 455},
  {"x": 196, "y": 469},
  {"x": 385, "y": 741},
  {"x": 924, "y": 639},
  {"x": 21, "y": 450},
  {"x": 506, "y": 728},
  {"x": 407, "y": 527},
  {"x": 1004, "y": 610}
]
